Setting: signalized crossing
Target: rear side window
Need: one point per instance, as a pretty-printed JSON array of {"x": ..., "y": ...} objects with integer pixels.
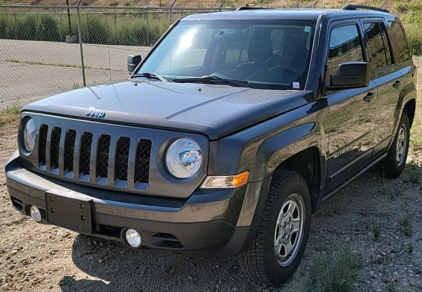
[
  {"x": 344, "y": 46},
  {"x": 399, "y": 40},
  {"x": 378, "y": 47}
]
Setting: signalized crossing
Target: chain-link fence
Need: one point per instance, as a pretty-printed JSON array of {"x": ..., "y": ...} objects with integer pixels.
[
  {"x": 40, "y": 50},
  {"x": 41, "y": 53}
]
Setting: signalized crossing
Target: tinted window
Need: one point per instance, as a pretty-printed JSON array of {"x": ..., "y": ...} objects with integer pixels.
[
  {"x": 399, "y": 41},
  {"x": 345, "y": 46},
  {"x": 379, "y": 52}
]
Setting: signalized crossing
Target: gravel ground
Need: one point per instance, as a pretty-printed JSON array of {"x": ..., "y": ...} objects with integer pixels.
[{"x": 35, "y": 257}]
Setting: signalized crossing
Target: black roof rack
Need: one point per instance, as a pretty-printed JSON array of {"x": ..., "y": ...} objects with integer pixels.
[{"x": 354, "y": 7}]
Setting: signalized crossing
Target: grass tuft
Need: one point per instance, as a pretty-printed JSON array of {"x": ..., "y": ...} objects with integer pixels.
[
  {"x": 336, "y": 270},
  {"x": 7, "y": 117},
  {"x": 15, "y": 109},
  {"x": 407, "y": 225}
]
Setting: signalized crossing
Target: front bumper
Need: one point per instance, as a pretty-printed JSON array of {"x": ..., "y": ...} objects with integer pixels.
[{"x": 206, "y": 223}]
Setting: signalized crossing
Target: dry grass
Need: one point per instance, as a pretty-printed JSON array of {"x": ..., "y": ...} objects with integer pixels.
[
  {"x": 6, "y": 117},
  {"x": 199, "y": 3}
]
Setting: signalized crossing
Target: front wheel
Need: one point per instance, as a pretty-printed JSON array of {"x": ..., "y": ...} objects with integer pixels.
[
  {"x": 393, "y": 165},
  {"x": 283, "y": 232}
]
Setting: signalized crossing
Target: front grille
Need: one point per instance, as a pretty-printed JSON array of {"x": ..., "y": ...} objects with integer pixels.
[{"x": 119, "y": 161}]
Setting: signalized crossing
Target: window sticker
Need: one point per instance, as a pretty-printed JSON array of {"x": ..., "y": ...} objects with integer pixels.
[{"x": 296, "y": 85}]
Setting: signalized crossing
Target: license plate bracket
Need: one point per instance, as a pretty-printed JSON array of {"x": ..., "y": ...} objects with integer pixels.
[{"x": 71, "y": 213}]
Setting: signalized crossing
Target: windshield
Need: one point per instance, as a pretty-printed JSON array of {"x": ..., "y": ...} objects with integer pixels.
[{"x": 261, "y": 53}]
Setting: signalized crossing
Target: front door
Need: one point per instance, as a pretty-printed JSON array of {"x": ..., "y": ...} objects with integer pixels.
[{"x": 350, "y": 124}]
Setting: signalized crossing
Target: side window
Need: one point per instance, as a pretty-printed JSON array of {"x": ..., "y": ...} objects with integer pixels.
[
  {"x": 399, "y": 41},
  {"x": 345, "y": 46},
  {"x": 378, "y": 47}
]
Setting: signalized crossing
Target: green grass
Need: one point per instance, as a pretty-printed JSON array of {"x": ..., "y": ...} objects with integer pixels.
[
  {"x": 335, "y": 270},
  {"x": 416, "y": 130},
  {"x": 15, "y": 109},
  {"x": 76, "y": 85},
  {"x": 47, "y": 64},
  {"x": 11, "y": 114},
  {"x": 141, "y": 29},
  {"x": 392, "y": 191},
  {"x": 412, "y": 171},
  {"x": 375, "y": 227},
  {"x": 407, "y": 225}
]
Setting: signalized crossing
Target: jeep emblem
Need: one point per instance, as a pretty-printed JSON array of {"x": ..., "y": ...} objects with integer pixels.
[{"x": 93, "y": 113}]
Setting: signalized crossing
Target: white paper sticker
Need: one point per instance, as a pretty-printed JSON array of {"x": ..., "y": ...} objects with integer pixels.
[{"x": 296, "y": 85}]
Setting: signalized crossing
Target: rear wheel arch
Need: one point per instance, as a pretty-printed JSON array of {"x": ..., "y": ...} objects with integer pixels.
[{"x": 409, "y": 109}]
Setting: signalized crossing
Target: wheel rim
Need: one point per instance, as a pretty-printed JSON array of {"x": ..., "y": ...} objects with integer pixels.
[
  {"x": 289, "y": 229},
  {"x": 401, "y": 145}
]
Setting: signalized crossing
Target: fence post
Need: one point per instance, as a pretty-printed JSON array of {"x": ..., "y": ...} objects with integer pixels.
[
  {"x": 171, "y": 10},
  {"x": 80, "y": 42},
  {"x": 221, "y": 5},
  {"x": 148, "y": 42},
  {"x": 68, "y": 18}
]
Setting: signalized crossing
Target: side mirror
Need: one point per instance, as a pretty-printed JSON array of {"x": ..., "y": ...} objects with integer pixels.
[
  {"x": 350, "y": 75},
  {"x": 132, "y": 62}
]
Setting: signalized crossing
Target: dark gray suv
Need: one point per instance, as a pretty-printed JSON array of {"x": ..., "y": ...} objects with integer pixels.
[{"x": 226, "y": 137}]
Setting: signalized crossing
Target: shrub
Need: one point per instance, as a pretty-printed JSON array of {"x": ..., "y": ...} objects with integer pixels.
[
  {"x": 97, "y": 31},
  {"x": 415, "y": 46},
  {"x": 48, "y": 29},
  {"x": 26, "y": 28}
]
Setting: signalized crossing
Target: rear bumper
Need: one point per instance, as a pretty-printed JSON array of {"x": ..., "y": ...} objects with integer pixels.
[{"x": 206, "y": 223}]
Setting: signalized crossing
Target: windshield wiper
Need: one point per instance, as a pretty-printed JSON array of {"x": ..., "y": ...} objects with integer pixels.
[
  {"x": 150, "y": 76},
  {"x": 212, "y": 80}
]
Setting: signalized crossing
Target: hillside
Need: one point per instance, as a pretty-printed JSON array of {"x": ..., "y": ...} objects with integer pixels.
[{"x": 202, "y": 3}]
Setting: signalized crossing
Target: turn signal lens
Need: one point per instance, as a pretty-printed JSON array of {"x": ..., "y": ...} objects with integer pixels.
[{"x": 233, "y": 181}]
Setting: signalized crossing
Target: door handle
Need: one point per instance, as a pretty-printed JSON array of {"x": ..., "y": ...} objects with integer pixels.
[
  {"x": 397, "y": 84},
  {"x": 369, "y": 96}
]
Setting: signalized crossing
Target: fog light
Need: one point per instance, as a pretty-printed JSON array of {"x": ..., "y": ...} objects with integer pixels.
[
  {"x": 133, "y": 238},
  {"x": 35, "y": 214}
]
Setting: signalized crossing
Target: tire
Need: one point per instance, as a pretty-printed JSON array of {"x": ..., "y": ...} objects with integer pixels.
[
  {"x": 393, "y": 165},
  {"x": 270, "y": 258}
]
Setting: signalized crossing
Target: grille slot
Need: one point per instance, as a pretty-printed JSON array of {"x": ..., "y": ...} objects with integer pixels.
[
  {"x": 42, "y": 148},
  {"x": 143, "y": 156},
  {"x": 55, "y": 147},
  {"x": 69, "y": 150},
  {"x": 84, "y": 163},
  {"x": 122, "y": 159},
  {"x": 103, "y": 153}
]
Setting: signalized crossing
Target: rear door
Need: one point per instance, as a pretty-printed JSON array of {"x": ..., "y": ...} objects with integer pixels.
[
  {"x": 352, "y": 113},
  {"x": 386, "y": 76}
]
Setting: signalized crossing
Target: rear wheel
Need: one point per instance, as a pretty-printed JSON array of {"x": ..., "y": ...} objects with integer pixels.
[
  {"x": 283, "y": 231},
  {"x": 393, "y": 165}
]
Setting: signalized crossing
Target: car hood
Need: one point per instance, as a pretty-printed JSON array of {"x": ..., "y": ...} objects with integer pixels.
[{"x": 213, "y": 110}]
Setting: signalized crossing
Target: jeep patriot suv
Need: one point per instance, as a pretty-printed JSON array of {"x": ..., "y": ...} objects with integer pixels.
[{"x": 226, "y": 137}]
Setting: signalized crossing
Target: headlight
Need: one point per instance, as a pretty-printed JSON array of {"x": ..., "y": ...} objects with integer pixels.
[
  {"x": 184, "y": 158},
  {"x": 28, "y": 135}
]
